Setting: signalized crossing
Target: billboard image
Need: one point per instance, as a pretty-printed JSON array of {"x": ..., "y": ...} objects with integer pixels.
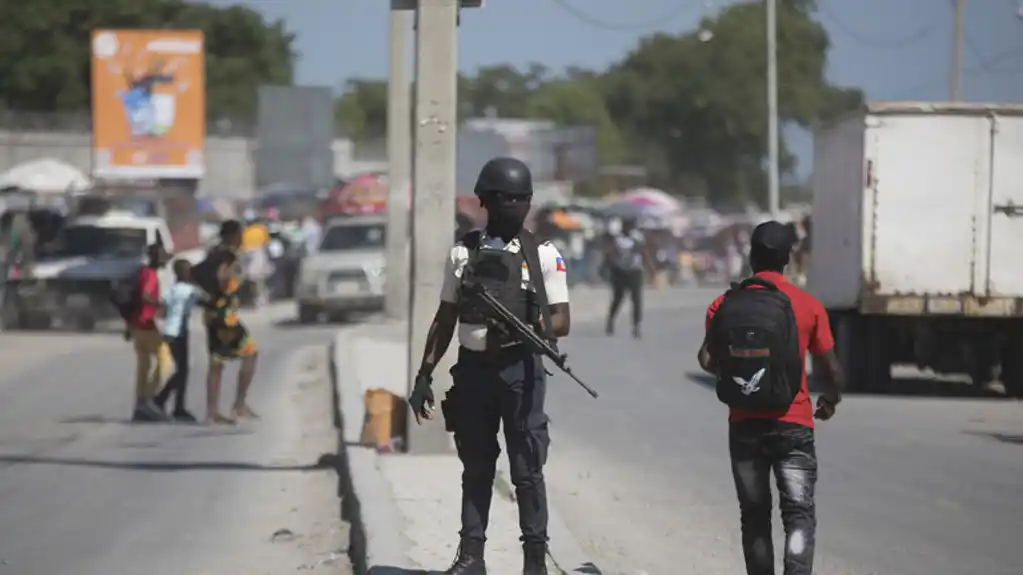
[{"x": 148, "y": 104}]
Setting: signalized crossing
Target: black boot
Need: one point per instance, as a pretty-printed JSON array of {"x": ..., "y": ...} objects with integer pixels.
[
  {"x": 534, "y": 559},
  {"x": 469, "y": 560}
]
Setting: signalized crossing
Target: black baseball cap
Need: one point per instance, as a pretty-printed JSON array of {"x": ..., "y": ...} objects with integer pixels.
[{"x": 772, "y": 236}]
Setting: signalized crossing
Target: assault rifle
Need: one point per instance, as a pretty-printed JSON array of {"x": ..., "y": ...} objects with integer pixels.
[{"x": 523, "y": 333}]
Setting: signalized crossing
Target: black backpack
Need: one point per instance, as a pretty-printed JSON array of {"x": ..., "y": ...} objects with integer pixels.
[{"x": 754, "y": 342}]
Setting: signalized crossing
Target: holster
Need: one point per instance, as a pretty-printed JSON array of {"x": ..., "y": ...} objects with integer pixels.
[{"x": 449, "y": 408}]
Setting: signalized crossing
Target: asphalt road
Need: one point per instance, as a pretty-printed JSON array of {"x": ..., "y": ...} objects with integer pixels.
[
  {"x": 908, "y": 485},
  {"x": 83, "y": 492}
]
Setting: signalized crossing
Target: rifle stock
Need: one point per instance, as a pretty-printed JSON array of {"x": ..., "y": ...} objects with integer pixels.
[{"x": 524, "y": 333}]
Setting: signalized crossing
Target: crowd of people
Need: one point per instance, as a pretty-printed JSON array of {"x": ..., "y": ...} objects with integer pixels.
[{"x": 691, "y": 257}]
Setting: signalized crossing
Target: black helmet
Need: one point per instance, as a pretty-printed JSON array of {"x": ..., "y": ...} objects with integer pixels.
[{"x": 504, "y": 176}]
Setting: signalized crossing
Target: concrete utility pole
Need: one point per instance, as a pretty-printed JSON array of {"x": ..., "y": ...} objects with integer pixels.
[
  {"x": 773, "y": 178},
  {"x": 433, "y": 222},
  {"x": 955, "y": 73},
  {"x": 399, "y": 160}
]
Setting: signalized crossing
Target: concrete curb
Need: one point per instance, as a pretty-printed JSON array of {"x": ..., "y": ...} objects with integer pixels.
[
  {"x": 377, "y": 542},
  {"x": 377, "y": 533}
]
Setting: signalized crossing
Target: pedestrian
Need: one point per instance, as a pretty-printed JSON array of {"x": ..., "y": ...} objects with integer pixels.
[
  {"x": 496, "y": 379},
  {"x": 227, "y": 339},
  {"x": 628, "y": 259},
  {"x": 179, "y": 301},
  {"x": 758, "y": 334},
  {"x": 147, "y": 340}
]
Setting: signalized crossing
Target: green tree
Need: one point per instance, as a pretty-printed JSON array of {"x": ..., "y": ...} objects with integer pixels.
[
  {"x": 699, "y": 107},
  {"x": 500, "y": 91},
  {"x": 361, "y": 111},
  {"x": 578, "y": 103},
  {"x": 44, "y": 50}
]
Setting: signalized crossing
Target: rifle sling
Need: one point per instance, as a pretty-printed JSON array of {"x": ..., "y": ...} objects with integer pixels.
[{"x": 531, "y": 253}]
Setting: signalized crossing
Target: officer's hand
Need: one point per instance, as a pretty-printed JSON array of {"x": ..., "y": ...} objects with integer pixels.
[
  {"x": 825, "y": 409},
  {"x": 421, "y": 399}
]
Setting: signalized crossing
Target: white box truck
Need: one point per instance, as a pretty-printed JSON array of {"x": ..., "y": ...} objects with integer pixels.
[{"x": 917, "y": 246}]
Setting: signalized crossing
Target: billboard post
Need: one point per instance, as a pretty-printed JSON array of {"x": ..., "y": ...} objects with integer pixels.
[{"x": 148, "y": 104}]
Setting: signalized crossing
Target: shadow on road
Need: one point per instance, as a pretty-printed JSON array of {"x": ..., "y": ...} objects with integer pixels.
[
  {"x": 901, "y": 387},
  {"x": 1001, "y": 437},
  {"x": 105, "y": 419},
  {"x": 324, "y": 462},
  {"x": 384, "y": 570},
  {"x": 587, "y": 569}
]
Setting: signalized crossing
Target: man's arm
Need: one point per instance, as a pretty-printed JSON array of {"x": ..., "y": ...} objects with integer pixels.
[
  {"x": 442, "y": 329},
  {"x": 438, "y": 338},
  {"x": 822, "y": 347},
  {"x": 834, "y": 379},
  {"x": 703, "y": 355},
  {"x": 555, "y": 283},
  {"x": 704, "y": 358}
]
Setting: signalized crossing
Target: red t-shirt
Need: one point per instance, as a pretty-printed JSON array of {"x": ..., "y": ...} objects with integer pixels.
[
  {"x": 144, "y": 316},
  {"x": 814, "y": 336}
]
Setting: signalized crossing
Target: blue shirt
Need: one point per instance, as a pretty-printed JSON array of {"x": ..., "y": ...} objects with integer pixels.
[{"x": 179, "y": 299}]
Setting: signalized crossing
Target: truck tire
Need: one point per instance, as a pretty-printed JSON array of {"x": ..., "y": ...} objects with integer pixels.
[
  {"x": 1012, "y": 367},
  {"x": 12, "y": 317},
  {"x": 308, "y": 314},
  {"x": 863, "y": 352}
]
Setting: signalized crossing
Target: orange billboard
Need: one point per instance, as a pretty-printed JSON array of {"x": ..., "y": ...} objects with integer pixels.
[{"x": 148, "y": 104}]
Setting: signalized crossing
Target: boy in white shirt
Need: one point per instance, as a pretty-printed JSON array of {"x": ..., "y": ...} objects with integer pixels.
[{"x": 180, "y": 298}]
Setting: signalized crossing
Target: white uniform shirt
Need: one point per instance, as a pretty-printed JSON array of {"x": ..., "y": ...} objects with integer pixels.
[{"x": 474, "y": 336}]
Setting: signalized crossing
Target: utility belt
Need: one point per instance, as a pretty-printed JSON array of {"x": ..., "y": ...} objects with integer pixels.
[
  {"x": 497, "y": 358},
  {"x": 491, "y": 361}
]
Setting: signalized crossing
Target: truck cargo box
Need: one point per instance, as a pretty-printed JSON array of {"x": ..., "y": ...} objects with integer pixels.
[{"x": 918, "y": 209}]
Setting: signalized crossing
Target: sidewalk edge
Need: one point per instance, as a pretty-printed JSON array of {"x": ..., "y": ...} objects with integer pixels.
[{"x": 377, "y": 536}]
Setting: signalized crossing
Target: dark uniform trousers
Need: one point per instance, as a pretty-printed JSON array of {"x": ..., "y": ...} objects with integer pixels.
[{"x": 490, "y": 388}]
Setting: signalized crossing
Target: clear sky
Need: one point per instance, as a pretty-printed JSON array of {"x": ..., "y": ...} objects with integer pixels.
[{"x": 893, "y": 49}]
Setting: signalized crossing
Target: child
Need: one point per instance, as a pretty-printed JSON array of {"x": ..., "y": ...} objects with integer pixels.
[{"x": 180, "y": 299}]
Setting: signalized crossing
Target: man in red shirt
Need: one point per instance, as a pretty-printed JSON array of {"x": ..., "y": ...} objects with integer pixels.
[
  {"x": 147, "y": 338},
  {"x": 780, "y": 441}
]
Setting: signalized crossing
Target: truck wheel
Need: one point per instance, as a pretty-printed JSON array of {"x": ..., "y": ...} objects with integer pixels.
[
  {"x": 307, "y": 314},
  {"x": 12, "y": 317},
  {"x": 864, "y": 353},
  {"x": 1012, "y": 367},
  {"x": 87, "y": 324}
]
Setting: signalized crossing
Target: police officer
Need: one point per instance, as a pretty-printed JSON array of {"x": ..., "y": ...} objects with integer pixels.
[{"x": 497, "y": 379}]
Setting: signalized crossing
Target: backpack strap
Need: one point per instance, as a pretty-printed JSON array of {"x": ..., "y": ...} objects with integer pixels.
[{"x": 531, "y": 253}]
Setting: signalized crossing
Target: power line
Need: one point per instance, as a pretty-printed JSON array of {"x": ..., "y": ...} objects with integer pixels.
[
  {"x": 980, "y": 69},
  {"x": 974, "y": 47},
  {"x": 914, "y": 38},
  {"x": 669, "y": 15}
]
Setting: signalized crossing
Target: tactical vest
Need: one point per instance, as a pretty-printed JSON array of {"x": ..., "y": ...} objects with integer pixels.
[{"x": 500, "y": 272}]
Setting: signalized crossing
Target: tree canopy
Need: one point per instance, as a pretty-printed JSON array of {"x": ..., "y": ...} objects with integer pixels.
[
  {"x": 44, "y": 50},
  {"x": 691, "y": 108}
]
